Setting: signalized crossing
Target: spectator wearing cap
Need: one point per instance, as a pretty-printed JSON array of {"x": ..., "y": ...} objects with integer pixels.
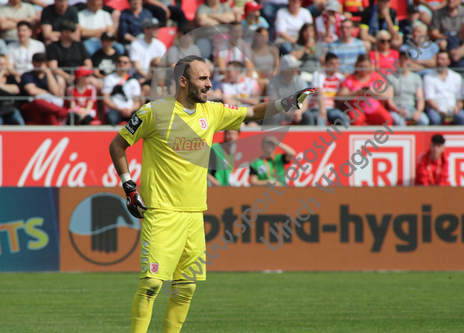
[
  {"x": 407, "y": 103},
  {"x": 428, "y": 56},
  {"x": 253, "y": 20},
  {"x": 130, "y": 23},
  {"x": 67, "y": 53},
  {"x": 95, "y": 22},
  {"x": 41, "y": 84},
  {"x": 164, "y": 10},
  {"x": 405, "y": 26},
  {"x": 432, "y": 165},
  {"x": 21, "y": 52},
  {"x": 53, "y": 15},
  {"x": 82, "y": 98},
  {"x": 443, "y": 91},
  {"x": 212, "y": 12},
  {"x": 347, "y": 48},
  {"x": 104, "y": 60},
  {"x": 380, "y": 17},
  {"x": 183, "y": 46},
  {"x": 288, "y": 23},
  {"x": 328, "y": 24},
  {"x": 11, "y": 14},
  {"x": 286, "y": 83},
  {"x": 121, "y": 93},
  {"x": 446, "y": 22},
  {"x": 143, "y": 50},
  {"x": 9, "y": 114},
  {"x": 269, "y": 12}
]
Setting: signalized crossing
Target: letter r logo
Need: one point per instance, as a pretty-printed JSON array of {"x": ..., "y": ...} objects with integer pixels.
[{"x": 392, "y": 164}]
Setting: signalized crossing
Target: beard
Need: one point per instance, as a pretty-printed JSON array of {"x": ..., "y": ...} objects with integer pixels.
[{"x": 195, "y": 94}]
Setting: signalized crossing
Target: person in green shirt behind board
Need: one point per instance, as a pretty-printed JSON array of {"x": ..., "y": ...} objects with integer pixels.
[
  {"x": 222, "y": 160},
  {"x": 271, "y": 166}
]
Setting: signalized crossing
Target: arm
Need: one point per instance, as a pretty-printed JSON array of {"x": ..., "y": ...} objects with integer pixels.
[
  {"x": 431, "y": 103},
  {"x": 160, "y": 4},
  {"x": 53, "y": 86},
  {"x": 422, "y": 176},
  {"x": 364, "y": 35},
  {"x": 255, "y": 182},
  {"x": 287, "y": 37},
  {"x": 53, "y": 64},
  {"x": 299, "y": 53},
  {"x": 137, "y": 104},
  {"x": 289, "y": 151},
  {"x": 10, "y": 88},
  {"x": 139, "y": 70},
  {"x": 49, "y": 34},
  {"x": 118, "y": 154},
  {"x": 435, "y": 34},
  {"x": 98, "y": 74},
  {"x": 457, "y": 54},
  {"x": 7, "y": 23},
  {"x": 257, "y": 112},
  {"x": 94, "y": 32},
  {"x": 420, "y": 101},
  {"x": 109, "y": 103},
  {"x": 214, "y": 182},
  {"x": 223, "y": 18},
  {"x": 33, "y": 90},
  {"x": 203, "y": 19}
]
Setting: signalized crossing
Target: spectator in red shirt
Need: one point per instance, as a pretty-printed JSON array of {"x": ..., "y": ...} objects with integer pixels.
[
  {"x": 82, "y": 98},
  {"x": 383, "y": 57},
  {"x": 432, "y": 166}
]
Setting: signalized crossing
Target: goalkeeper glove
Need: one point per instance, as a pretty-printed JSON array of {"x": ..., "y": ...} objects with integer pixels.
[
  {"x": 134, "y": 201},
  {"x": 295, "y": 101}
]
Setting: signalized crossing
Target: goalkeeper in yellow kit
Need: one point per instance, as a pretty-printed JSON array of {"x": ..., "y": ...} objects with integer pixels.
[{"x": 177, "y": 134}]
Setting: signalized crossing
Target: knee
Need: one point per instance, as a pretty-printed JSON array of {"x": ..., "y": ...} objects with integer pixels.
[
  {"x": 183, "y": 290},
  {"x": 149, "y": 287}
]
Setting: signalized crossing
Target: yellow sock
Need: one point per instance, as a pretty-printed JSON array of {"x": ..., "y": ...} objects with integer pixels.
[
  {"x": 142, "y": 306},
  {"x": 178, "y": 306}
]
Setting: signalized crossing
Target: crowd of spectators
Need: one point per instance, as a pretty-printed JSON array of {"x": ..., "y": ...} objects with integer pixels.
[{"x": 96, "y": 61}]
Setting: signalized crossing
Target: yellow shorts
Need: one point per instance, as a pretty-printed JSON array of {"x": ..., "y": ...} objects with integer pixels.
[{"x": 171, "y": 245}]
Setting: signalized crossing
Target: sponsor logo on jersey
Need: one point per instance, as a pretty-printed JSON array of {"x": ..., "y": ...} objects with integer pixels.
[
  {"x": 203, "y": 123},
  {"x": 133, "y": 124},
  {"x": 154, "y": 268},
  {"x": 184, "y": 144}
]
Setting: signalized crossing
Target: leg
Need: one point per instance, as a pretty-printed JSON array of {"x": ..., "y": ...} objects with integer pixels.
[
  {"x": 92, "y": 46},
  {"x": 119, "y": 47},
  {"x": 434, "y": 116},
  {"x": 423, "y": 120},
  {"x": 334, "y": 114},
  {"x": 113, "y": 117},
  {"x": 309, "y": 117},
  {"x": 178, "y": 15},
  {"x": 14, "y": 119},
  {"x": 157, "y": 12},
  {"x": 286, "y": 48},
  {"x": 41, "y": 112},
  {"x": 397, "y": 119},
  {"x": 142, "y": 305},
  {"x": 379, "y": 117},
  {"x": 459, "y": 118},
  {"x": 178, "y": 305}
]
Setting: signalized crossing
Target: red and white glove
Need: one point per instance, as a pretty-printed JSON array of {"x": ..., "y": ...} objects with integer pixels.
[
  {"x": 295, "y": 101},
  {"x": 134, "y": 201}
]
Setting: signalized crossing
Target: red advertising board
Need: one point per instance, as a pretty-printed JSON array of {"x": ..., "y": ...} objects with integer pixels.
[{"x": 80, "y": 158}]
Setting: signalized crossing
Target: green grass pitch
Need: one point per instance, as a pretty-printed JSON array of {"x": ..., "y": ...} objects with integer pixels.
[{"x": 403, "y": 302}]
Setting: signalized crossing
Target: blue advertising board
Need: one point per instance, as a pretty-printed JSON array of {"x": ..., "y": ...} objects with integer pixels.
[{"x": 29, "y": 229}]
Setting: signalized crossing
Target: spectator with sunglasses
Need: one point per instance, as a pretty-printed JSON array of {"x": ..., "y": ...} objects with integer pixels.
[
  {"x": 383, "y": 57},
  {"x": 121, "y": 93}
]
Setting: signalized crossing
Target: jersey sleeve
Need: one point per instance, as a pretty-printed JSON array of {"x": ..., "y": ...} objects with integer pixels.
[
  {"x": 226, "y": 117},
  {"x": 141, "y": 125}
]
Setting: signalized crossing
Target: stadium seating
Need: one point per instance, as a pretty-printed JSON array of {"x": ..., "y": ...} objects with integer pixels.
[
  {"x": 167, "y": 35},
  {"x": 190, "y": 7}
]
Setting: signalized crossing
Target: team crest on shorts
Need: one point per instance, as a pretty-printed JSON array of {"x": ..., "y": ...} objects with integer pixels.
[
  {"x": 154, "y": 268},
  {"x": 203, "y": 123}
]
